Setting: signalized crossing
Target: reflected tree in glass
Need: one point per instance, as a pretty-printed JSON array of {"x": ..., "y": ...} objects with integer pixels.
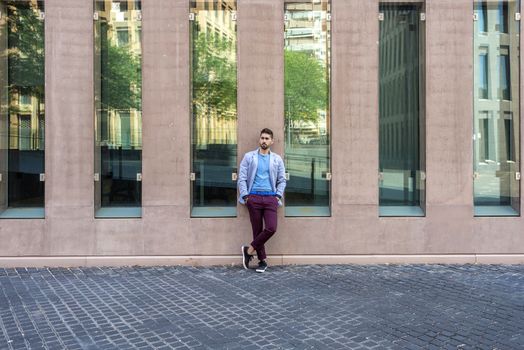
[
  {"x": 306, "y": 108},
  {"x": 214, "y": 108}
]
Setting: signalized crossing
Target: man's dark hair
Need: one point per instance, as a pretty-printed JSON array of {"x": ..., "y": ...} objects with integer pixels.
[{"x": 267, "y": 131}]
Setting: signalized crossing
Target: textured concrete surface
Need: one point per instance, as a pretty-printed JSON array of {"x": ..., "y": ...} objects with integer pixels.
[
  {"x": 289, "y": 307},
  {"x": 166, "y": 229}
]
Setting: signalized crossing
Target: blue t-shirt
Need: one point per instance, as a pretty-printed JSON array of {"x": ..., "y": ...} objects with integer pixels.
[{"x": 262, "y": 183}]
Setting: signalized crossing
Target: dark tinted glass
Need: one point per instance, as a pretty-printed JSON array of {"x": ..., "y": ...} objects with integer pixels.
[{"x": 401, "y": 59}]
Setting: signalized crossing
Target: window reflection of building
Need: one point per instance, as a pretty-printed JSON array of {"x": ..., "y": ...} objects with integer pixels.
[
  {"x": 23, "y": 66},
  {"x": 26, "y": 100},
  {"x": 26, "y": 121},
  {"x": 213, "y": 107},
  {"x": 307, "y": 32},
  {"x": 118, "y": 104},
  {"x": 400, "y": 106},
  {"x": 215, "y": 50},
  {"x": 121, "y": 27},
  {"x": 306, "y": 107},
  {"x": 496, "y": 102}
]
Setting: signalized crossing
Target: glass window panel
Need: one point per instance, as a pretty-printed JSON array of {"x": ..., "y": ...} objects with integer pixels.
[
  {"x": 509, "y": 136},
  {"x": 502, "y": 19},
  {"x": 118, "y": 107},
  {"x": 122, "y": 5},
  {"x": 22, "y": 142},
  {"x": 307, "y": 107},
  {"x": 401, "y": 110},
  {"x": 496, "y": 139},
  {"x": 213, "y": 108},
  {"x": 483, "y": 75},
  {"x": 122, "y": 37},
  {"x": 505, "y": 76},
  {"x": 484, "y": 153},
  {"x": 482, "y": 12}
]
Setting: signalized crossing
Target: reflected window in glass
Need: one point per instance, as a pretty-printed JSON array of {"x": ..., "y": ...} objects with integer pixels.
[{"x": 483, "y": 75}]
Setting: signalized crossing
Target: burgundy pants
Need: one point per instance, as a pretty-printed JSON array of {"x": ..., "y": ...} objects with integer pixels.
[{"x": 262, "y": 210}]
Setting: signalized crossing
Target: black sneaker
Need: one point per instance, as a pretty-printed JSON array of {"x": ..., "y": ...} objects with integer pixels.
[
  {"x": 262, "y": 266},
  {"x": 246, "y": 258}
]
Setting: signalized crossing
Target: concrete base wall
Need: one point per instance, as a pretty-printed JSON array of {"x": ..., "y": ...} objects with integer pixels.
[
  {"x": 273, "y": 260},
  {"x": 70, "y": 236}
]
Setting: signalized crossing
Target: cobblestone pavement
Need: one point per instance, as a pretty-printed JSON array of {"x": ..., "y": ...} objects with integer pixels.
[{"x": 288, "y": 307}]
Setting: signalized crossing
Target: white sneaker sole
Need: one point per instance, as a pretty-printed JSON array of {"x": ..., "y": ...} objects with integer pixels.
[{"x": 243, "y": 259}]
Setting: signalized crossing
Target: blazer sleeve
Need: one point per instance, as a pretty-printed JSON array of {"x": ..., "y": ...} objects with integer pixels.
[
  {"x": 242, "y": 177},
  {"x": 281, "y": 178}
]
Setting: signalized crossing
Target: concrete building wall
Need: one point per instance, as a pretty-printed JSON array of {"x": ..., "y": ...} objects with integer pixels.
[{"x": 69, "y": 234}]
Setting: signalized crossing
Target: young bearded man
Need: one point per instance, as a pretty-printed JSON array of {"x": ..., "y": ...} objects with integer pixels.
[{"x": 261, "y": 184}]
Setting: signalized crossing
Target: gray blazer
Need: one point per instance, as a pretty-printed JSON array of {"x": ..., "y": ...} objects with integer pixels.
[{"x": 248, "y": 170}]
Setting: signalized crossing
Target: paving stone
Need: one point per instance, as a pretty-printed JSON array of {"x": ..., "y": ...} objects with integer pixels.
[{"x": 289, "y": 307}]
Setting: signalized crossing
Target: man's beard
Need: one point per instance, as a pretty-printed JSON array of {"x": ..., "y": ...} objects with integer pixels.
[{"x": 263, "y": 146}]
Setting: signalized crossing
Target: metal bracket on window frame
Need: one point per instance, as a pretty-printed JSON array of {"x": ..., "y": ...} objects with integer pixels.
[
  {"x": 96, "y": 177},
  {"x": 138, "y": 177},
  {"x": 41, "y": 16},
  {"x": 234, "y": 16},
  {"x": 475, "y": 16},
  {"x": 380, "y": 176},
  {"x": 517, "y": 176},
  {"x": 95, "y": 16},
  {"x": 328, "y": 177},
  {"x": 234, "y": 176},
  {"x": 1, "y": 177},
  {"x": 423, "y": 16},
  {"x": 42, "y": 177},
  {"x": 286, "y": 17},
  {"x": 192, "y": 176},
  {"x": 423, "y": 176},
  {"x": 476, "y": 175},
  {"x": 517, "y": 16},
  {"x": 191, "y": 16},
  {"x": 381, "y": 16},
  {"x": 286, "y": 176},
  {"x": 138, "y": 16},
  {"x": 328, "y": 17}
]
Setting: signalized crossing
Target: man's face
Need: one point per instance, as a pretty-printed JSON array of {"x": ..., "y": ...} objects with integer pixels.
[{"x": 265, "y": 141}]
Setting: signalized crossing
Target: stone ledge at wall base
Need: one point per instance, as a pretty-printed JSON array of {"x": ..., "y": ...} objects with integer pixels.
[{"x": 233, "y": 260}]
